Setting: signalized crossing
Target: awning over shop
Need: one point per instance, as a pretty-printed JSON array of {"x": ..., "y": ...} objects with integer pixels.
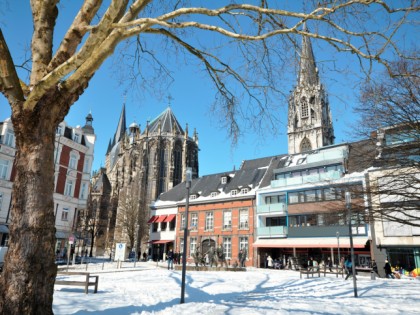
[
  {"x": 161, "y": 218},
  {"x": 170, "y": 217},
  {"x": 152, "y": 219},
  {"x": 61, "y": 234},
  {"x": 311, "y": 242},
  {"x": 4, "y": 229},
  {"x": 162, "y": 241}
]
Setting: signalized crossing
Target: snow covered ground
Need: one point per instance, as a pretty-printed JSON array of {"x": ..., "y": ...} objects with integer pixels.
[{"x": 151, "y": 289}]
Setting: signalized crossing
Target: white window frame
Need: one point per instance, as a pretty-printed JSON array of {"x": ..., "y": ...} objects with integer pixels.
[
  {"x": 224, "y": 180},
  {"x": 68, "y": 189},
  {"x": 194, "y": 221},
  {"x": 209, "y": 226},
  {"x": 83, "y": 191},
  {"x": 243, "y": 219},
  {"x": 233, "y": 192},
  {"x": 243, "y": 243},
  {"x": 182, "y": 225},
  {"x": 227, "y": 247},
  {"x": 4, "y": 169},
  {"x": 73, "y": 161},
  {"x": 193, "y": 245},
  {"x": 214, "y": 194},
  {"x": 86, "y": 166},
  {"x": 227, "y": 220},
  {"x": 244, "y": 190},
  {"x": 59, "y": 130},
  {"x": 76, "y": 137},
  {"x": 65, "y": 214},
  {"x": 9, "y": 138}
]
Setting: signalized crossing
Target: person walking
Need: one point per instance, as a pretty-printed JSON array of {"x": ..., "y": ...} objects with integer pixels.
[
  {"x": 349, "y": 268},
  {"x": 388, "y": 270},
  {"x": 269, "y": 262},
  {"x": 310, "y": 263},
  {"x": 170, "y": 258},
  {"x": 243, "y": 258},
  {"x": 374, "y": 267},
  {"x": 329, "y": 264}
]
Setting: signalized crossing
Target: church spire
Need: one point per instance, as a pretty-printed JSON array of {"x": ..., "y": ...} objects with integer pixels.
[
  {"x": 308, "y": 72},
  {"x": 121, "y": 128}
]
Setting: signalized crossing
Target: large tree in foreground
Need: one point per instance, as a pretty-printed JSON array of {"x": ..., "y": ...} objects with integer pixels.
[
  {"x": 391, "y": 106},
  {"x": 263, "y": 34}
]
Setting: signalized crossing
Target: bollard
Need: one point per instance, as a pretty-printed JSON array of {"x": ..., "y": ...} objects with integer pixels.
[{"x": 372, "y": 275}]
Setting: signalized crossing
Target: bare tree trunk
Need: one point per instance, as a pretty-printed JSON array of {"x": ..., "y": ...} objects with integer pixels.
[{"x": 27, "y": 282}]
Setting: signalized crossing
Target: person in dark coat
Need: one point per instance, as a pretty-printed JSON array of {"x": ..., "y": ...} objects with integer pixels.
[
  {"x": 329, "y": 264},
  {"x": 388, "y": 271},
  {"x": 170, "y": 258},
  {"x": 374, "y": 267}
]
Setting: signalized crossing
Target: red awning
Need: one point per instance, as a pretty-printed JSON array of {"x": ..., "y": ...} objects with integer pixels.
[
  {"x": 170, "y": 217},
  {"x": 152, "y": 219},
  {"x": 162, "y": 241},
  {"x": 160, "y": 218}
]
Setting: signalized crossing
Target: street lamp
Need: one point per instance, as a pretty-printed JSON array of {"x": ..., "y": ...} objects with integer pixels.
[
  {"x": 353, "y": 268},
  {"x": 188, "y": 174},
  {"x": 338, "y": 246}
]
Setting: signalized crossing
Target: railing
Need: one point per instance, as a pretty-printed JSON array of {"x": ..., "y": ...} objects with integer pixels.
[
  {"x": 273, "y": 207},
  {"x": 272, "y": 231},
  {"x": 284, "y": 182}
]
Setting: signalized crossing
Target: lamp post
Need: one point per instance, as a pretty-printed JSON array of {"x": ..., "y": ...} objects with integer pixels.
[
  {"x": 338, "y": 247},
  {"x": 353, "y": 268},
  {"x": 188, "y": 174}
]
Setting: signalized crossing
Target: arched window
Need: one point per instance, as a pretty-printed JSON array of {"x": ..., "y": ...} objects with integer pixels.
[
  {"x": 304, "y": 108},
  {"x": 305, "y": 145}
]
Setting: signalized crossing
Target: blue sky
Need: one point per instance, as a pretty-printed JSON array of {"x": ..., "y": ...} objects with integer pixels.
[{"x": 192, "y": 97}]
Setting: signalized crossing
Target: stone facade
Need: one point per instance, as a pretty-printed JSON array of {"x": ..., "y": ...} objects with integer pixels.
[{"x": 140, "y": 165}]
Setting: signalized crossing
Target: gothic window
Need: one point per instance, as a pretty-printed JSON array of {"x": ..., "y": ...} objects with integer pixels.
[
  {"x": 177, "y": 165},
  {"x": 304, "y": 108},
  {"x": 163, "y": 165},
  {"x": 305, "y": 145}
]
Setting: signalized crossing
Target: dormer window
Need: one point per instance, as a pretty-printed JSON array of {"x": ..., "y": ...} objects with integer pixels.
[
  {"x": 244, "y": 190},
  {"x": 233, "y": 192},
  {"x": 214, "y": 194},
  {"x": 76, "y": 138},
  {"x": 224, "y": 180},
  {"x": 59, "y": 130},
  {"x": 193, "y": 197}
]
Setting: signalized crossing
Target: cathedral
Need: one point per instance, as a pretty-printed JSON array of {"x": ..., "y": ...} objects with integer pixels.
[
  {"x": 139, "y": 166},
  {"x": 309, "y": 121}
]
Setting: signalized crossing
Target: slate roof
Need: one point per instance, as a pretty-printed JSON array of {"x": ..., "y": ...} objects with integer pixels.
[
  {"x": 168, "y": 123},
  {"x": 250, "y": 175}
]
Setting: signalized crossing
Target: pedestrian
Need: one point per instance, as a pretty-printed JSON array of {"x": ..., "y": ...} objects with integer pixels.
[
  {"x": 170, "y": 258},
  {"x": 240, "y": 257},
  {"x": 349, "y": 267},
  {"x": 388, "y": 270},
  {"x": 329, "y": 264},
  {"x": 374, "y": 267},
  {"x": 269, "y": 262},
  {"x": 310, "y": 263},
  {"x": 243, "y": 258},
  {"x": 265, "y": 260}
]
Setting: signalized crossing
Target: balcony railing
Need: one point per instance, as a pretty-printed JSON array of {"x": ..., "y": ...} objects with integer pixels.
[
  {"x": 272, "y": 231},
  {"x": 314, "y": 178},
  {"x": 271, "y": 208}
]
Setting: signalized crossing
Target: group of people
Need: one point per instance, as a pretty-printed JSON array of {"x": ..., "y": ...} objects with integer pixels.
[{"x": 211, "y": 257}]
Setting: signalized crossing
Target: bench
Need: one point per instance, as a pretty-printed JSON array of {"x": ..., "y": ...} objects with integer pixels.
[
  {"x": 89, "y": 280},
  {"x": 335, "y": 271},
  {"x": 310, "y": 271}
]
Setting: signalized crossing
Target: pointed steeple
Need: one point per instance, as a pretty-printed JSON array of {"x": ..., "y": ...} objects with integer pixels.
[
  {"x": 121, "y": 128},
  {"x": 166, "y": 122},
  {"x": 308, "y": 72}
]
